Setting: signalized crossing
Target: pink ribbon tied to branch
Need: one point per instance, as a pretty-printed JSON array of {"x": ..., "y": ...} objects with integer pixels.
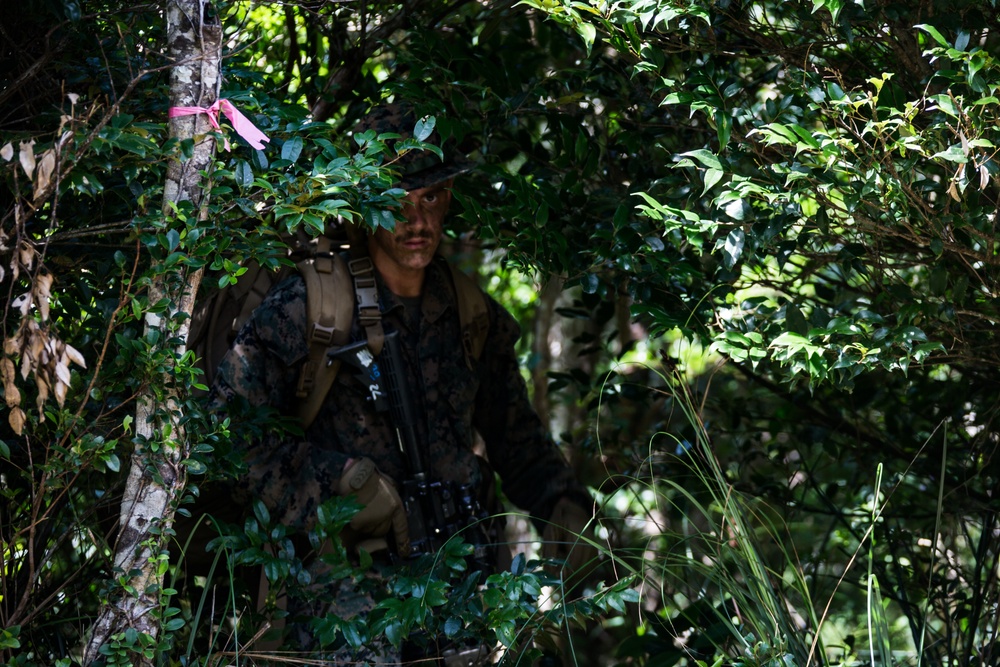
[{"x": 240, "y": 123}]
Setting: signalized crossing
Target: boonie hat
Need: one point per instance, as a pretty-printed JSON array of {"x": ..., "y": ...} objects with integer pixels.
[{"x": 418, "y": 169}]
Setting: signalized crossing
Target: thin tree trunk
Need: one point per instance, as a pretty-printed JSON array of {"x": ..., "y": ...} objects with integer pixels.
[
  {"x": 157, "y": 476},
  {"x": 544, "y": 324}
]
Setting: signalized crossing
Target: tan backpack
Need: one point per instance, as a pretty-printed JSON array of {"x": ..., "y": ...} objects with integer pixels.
[{"x": 333, "y": 287}]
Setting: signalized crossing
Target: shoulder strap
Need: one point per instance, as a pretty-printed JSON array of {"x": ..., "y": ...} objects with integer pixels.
[
  {"x": 473, "y": 314},
  {"x": 329, "y": 312},
  {"x": 362, "y": 271}
]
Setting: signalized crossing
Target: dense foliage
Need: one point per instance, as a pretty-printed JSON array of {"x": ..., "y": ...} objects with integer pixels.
[{"x": 767, "y": 231}]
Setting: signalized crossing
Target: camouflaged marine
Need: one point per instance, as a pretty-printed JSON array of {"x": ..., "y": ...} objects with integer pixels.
[
  {"x": 293, "y": 478},
  {"x": 350, "y": 447}
]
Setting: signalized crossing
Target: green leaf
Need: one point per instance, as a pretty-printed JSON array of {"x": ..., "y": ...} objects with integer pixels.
[
  {"x": 173, "y": 239},
  {"x": 259, "y": 161},
  {"x": 243, "y": 174},
  {"x": 926, "y": 349},
  {"x": 260, "y": 511},
  {"x": 424, "y": 128},
  {"x": 962, "y": 40},
  {"x": 706, "y": 157},
  {"x": 330, "y": 206},
  {"x": 173, "y": 624},
  {"x": 737, "y": 337},
  {"x": 518, "y": 564},
  {"x": 723, "y": 127},
  {"x": 195, "y": 467},
  {"x": 955, "y": 153},
  {"x": 291, "y": 149},
  {"x": 173, "y": 258},
  {"x": 910, "y": 335},
  {"x": 933, "y": 32},
  {"x": 792, "y": 340},
  {"x": 506, "y": 633},
  {"x": 453, "y": 626},
  {"x": 394, "y": 633},
  {"x": 734, "y": 247},
  {"x": 588, "y": 33},
  {"x": 712, "y": 177}
]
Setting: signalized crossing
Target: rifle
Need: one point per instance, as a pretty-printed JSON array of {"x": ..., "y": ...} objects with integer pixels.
[{"x": 436, "y": 509}]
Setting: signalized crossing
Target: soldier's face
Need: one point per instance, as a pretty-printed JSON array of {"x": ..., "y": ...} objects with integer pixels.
[{"x": 411, "y": 247}]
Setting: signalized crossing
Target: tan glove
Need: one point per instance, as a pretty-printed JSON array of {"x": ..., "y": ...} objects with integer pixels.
[
  {"x": 569, "y": 537},
  {"x": 383, "y": 510}
]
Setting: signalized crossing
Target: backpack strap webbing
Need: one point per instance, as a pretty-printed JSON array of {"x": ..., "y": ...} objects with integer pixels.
[
  {"x": 473, "y": 314},
  {"x": 328, "y": 322},
  {"x": 362, "y": 272}
]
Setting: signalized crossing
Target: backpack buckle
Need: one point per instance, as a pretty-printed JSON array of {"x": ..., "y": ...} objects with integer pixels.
[
  {"x": 360, "y": 265},
  {"x": 321, "y": 334}
]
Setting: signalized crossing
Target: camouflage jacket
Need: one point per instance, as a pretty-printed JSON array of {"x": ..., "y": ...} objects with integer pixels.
[{"x": 294, "y": 475}]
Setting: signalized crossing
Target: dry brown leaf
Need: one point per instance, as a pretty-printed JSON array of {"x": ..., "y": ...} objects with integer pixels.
[
  {"x": 11, "y": 393},
  {"x": 61, "y": 390},
  {"x": 50, "y": 352},
  {"x": 43, "y": 293},
  {"x": 33, "y": 350},
  {"x": 26, "y": 255},
  {"x": 27, "y": 157},
  {"x": 74, "y": 356},
  {"x": 953, "y": 191},
  {"x": 7, "y": 152},
  {"x": 16, "y": 420},
  {"x": 43, "y": 395},
  {"x": 12, "y": 347},
  {"x": 62, "y": 370},
  {"x": 43, "y": 174}
]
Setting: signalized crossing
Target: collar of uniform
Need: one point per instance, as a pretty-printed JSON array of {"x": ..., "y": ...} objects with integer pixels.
[
  {"x": 437, "y": 296},
  {"x": 437, "y": 292},
  {"x": 388, "y": 301}
]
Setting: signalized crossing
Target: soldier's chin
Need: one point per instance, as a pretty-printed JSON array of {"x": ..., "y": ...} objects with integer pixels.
[{"x": 419, "y": 258}]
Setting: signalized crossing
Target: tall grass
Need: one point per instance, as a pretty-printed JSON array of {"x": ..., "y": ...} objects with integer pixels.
[{"x": 732, "y": 587}]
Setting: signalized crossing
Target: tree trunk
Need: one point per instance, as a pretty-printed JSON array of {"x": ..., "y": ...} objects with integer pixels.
[{"x": 157, "y": 476}]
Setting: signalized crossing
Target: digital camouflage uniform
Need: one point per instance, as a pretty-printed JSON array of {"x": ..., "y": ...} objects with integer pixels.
[{"x": 293, "y": 477}]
